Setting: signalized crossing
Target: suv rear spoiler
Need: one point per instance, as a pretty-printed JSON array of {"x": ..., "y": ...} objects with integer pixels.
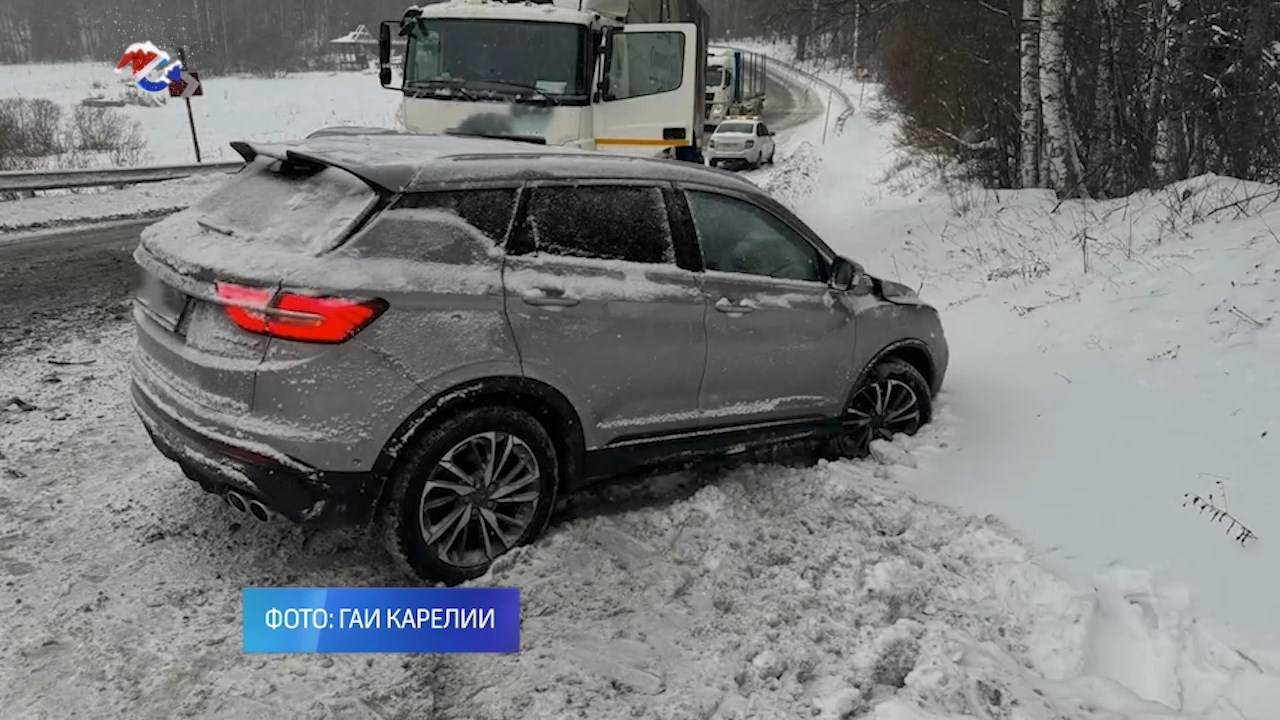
[{"x": 301, "y": 161}]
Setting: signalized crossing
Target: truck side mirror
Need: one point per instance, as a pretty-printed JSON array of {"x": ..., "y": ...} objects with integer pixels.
[
  {"x": 606, "y": 64},
  {"x": 384, "y": 54}
]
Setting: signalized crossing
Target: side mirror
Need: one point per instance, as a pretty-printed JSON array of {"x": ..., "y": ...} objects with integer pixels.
[
  {"x": 603, "y": 91},
  {"x": 846, "y": 274},
  {"x": 384, "y": 54}
]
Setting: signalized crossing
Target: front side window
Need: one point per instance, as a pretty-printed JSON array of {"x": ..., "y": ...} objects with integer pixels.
[
  {"x": 645, "y": 63},
  {"x": 738, "y": 237},
  {"x": 715, "y": 77},
  {"x": 506, "y": 56},
  {"x": 599, "y": 222}
]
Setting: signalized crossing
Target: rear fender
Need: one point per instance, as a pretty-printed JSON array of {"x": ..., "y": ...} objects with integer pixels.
[{"x": 544, "y": 402}]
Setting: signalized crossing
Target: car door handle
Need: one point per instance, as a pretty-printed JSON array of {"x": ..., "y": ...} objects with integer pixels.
[
  {"x": 549, "y": 297},
  {"x": 727, "y": 306}
]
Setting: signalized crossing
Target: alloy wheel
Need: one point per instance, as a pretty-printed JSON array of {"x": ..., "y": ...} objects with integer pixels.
[
  {"x": 479, "y": 499},
  {"x": 880, "y": 410}
]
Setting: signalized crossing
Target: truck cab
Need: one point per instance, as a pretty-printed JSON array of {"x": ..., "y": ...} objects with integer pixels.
[
  {"x": 735, "y": 85},
  {"x": 620, "y": 76}
]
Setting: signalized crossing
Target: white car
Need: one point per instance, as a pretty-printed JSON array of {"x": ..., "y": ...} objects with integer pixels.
[{"x": 741, "y": 141}]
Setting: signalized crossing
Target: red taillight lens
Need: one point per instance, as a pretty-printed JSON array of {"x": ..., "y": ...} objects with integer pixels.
[
  {"x": 294, "y": 316},
  {"x": 249, "y": 305}
]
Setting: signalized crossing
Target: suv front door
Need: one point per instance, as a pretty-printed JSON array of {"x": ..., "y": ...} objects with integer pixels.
[
  {"x": 779, "y": 340},
  {"x": 601, "y": 310}
]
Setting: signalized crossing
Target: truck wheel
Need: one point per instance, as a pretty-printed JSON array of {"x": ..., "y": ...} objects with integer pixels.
[{"x": 472, "y": 489}]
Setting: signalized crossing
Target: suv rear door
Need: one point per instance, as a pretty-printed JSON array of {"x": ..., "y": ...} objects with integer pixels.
[
  {"x": 601, "y": 309},
  {"x": 779, "y": 343}
]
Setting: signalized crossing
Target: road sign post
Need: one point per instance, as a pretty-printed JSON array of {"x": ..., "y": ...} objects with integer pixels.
[{"x": 189, "y": 86}]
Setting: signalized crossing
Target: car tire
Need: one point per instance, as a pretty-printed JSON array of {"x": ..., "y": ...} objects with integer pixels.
[
  {"x": 892, "y": 398},
  {"x": 436, "y": 526}
]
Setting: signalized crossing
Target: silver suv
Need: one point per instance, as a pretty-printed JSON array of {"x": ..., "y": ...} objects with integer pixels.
[{"x": 442, "y": 334}]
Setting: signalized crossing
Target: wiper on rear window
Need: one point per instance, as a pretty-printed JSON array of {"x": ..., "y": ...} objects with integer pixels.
[
  {"x": 550, "y": 100},
  {"x": 453, "y": 87},
  {"x": 204, "y": 223}
]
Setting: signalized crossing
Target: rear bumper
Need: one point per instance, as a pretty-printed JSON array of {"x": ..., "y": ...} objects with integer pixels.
[
  {"x": 732, "y": 155},
  {"x": 297, "y": 492}
]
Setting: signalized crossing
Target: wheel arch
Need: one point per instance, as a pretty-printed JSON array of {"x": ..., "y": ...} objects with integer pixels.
[
  {"x": 546, "y": 404},
  {"x": 913, "y": 352}
]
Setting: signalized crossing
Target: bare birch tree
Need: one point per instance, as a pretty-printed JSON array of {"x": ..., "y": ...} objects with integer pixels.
[
  {"x": 1066, "y": 174},
  {"x": 1031, "y": 106}
]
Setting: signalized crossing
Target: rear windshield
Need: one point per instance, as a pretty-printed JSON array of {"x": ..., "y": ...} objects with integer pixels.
[
  {"x": 290, "y": 210},
  {"x": 736, "y": 127}
]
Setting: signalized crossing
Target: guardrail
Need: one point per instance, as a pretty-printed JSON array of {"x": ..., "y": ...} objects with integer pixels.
[{"x": 17, "y": 181}]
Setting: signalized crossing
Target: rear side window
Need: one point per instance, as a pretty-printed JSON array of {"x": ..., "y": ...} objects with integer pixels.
[
  {"x": 599, "y": 222},
  {"x": 489, "y": 211},
  {"x": 285, "y": 208}
]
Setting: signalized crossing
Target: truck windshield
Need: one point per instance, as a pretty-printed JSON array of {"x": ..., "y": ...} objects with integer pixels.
[
  {"x": 505, "y": 56},
  {"x": 715, "y": 76}
]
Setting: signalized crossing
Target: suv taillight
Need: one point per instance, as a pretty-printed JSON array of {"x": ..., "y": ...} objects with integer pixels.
[{"x": 295, "y": 316}]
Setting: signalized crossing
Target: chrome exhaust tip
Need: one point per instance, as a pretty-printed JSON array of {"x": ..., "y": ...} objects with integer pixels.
[
  {"x": 237, "y": 501},
  {"x": 259, "y": 511}
]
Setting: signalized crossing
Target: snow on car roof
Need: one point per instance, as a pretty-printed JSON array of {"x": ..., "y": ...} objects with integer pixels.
[{"x": 405, "y": 162}]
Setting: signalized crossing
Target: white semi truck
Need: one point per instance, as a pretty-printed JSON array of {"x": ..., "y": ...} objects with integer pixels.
[
  {"x": 620, "y": 76},
  {"x": 735, "y": 81}
]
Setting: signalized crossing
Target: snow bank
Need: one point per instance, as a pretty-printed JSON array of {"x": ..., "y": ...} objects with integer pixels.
[
  {"x": 757, "y": 592},
  {"x": 1109, "y": 358},
  {"x": 93, "y": 206}
]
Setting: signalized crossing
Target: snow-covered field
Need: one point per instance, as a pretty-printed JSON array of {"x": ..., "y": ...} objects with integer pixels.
[
  {"x": 232, "y": 108},
  {"x": 1025, "y": 557}
]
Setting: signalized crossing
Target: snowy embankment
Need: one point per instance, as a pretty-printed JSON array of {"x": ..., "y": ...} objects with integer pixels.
[
  {"x": 1110, "y": 359},
  {"x": 763, "y": 591},
  {"x": 20, "y": 217},
  {"x": 760, "y": 592}
]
